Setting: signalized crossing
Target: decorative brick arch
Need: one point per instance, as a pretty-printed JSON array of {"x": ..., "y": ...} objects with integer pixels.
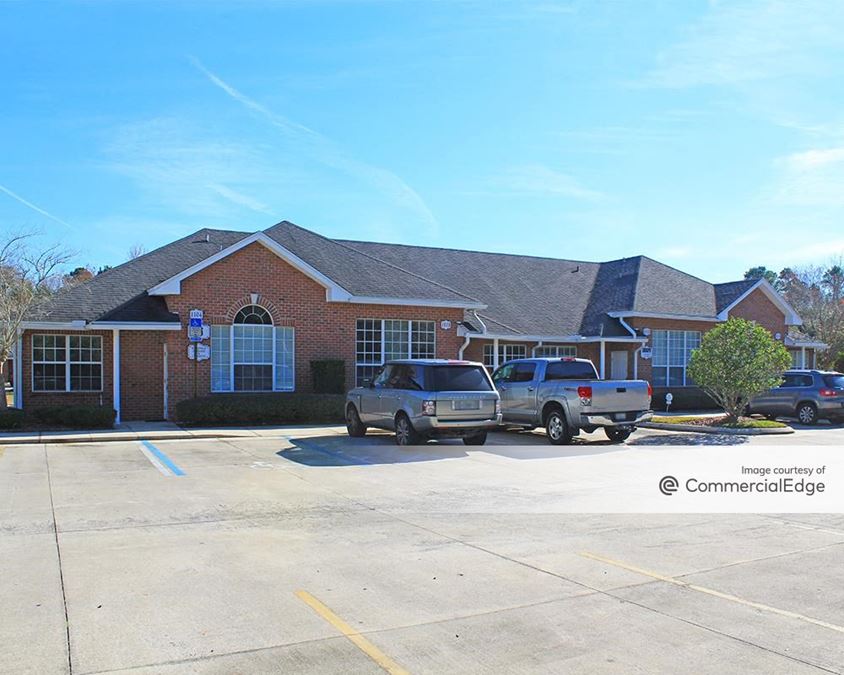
[{"x": 261, "y": 301}]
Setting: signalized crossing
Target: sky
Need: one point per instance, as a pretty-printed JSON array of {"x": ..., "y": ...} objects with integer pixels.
[{"x": 707, "y": 135}]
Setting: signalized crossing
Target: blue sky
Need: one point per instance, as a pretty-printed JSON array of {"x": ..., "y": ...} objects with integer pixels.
[{"x": 708, "y": 135}]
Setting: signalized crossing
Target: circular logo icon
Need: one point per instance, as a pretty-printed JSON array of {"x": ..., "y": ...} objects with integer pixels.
[{"x": 668, "y": 485}]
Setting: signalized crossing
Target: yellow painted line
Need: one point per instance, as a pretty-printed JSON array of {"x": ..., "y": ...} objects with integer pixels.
[
  {"x": 354, "y": 636},
  {"x": 714, "y": 593}
]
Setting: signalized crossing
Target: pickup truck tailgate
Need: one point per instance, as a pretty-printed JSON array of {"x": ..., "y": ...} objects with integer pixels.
[{"x": 618, "y": 396}]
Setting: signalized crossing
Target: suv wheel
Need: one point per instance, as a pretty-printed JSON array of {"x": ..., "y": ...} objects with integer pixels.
[
  {"x": 405, "y": 433},
  {"x": 807, "y": 413},
  {"x": 354, "y": 426},
  {"x": 477, "y": 439},
  {"x": 617, "y": 434},
  {"x": 556, "y": 428}
]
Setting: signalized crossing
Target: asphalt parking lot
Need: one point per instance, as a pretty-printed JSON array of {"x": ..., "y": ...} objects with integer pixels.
[{"x": 315, "y": 554}]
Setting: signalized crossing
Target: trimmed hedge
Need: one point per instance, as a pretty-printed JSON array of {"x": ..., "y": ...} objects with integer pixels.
[
  {"x": 329, "y": 376},
  {"x": 258, "y": 409},
  {"x": 74, "y": 416},
  {"x": 11, "y": 418}
]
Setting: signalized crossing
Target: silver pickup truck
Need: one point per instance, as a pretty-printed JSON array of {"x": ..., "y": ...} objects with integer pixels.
[{"x": 566, "y": 395}]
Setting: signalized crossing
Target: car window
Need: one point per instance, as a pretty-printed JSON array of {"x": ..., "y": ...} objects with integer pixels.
[
  {"x": 570, "y": 370},
  {"x": 383, "y": 376},
  {"x": 458, "y": 378},
  {"x": 523, "y": 372},
  {"x": 836, "y": 381},
  {"x": 503, "y": 374},
  {"x": 407, "y": 376},
  {"x": 805, "y": 381},
  {"x": 788, "y": 381}
]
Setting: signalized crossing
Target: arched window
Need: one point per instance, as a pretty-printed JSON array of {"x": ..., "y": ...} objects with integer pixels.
[
  {"x": 254, "y": 314},
  {"x": 252, "y": 354}
]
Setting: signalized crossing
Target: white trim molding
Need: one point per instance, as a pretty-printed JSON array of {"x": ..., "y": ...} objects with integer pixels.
[
  {"x": 658, "y": 315},
  {"x": 792, "y": 318},
  {"x": 115, "y": 373},
  {"x": 334, "y": 292},
  {"x": 99, "y": 325},
  {"x": 509, "y": 337}
]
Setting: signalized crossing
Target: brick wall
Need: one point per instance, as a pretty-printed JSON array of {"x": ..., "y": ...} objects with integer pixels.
[
  {"x": 142, "y": 374},
  {"x": 322, "y": 329},
  {"x": 757, "y": 307}
]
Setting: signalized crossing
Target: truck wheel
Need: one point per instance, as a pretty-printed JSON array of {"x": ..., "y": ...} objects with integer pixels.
[
  {"x": 807, "y": 413},
  {"x": 354, "y": 426},
  {"x": 617, "y": 435},
  {"x": 557, "y": 429},
  {"x": 405, "y": 433},
  {"x": 477, "y": 439}
]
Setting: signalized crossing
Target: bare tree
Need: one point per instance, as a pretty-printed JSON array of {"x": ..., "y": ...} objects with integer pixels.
[
  {"x": 28, "y": 275},
  {"x": 135, "y": 251}
]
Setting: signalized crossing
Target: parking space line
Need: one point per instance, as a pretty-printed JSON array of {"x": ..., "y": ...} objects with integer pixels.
[
  {"x": 159, "y": 460},
  {"x": 713, "y": 592},
  {"x": 354, "y": 636}
]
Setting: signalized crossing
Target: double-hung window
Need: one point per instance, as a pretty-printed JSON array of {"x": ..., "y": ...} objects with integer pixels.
[
  {"x": 67, "y": 363},
  {"x": 506, "y": 352},
  {"x": 380, "y": 340},
  {"x": 671, "y": 352},
  {"x": 557, "y": 351},
  {"x": 252, "y": 354}
]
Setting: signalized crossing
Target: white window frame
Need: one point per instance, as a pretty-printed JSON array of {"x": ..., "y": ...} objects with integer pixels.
[
  {"x": 687, "y": 352},
  {"x": 556, "y": 351},
  {"x": 67, "y": 364},
  {"x": 504, "y": 349},
  {"x": 410, "y": 343},
  {"x": 276, "y": 337}
]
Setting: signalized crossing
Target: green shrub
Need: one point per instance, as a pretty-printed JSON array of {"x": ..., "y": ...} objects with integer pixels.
[
  {"x": 74, "y": 416},
  {"x": 258, "y": 409},
  {"x": 11, "y": 418},
  {"x": 329, "y": 376}
]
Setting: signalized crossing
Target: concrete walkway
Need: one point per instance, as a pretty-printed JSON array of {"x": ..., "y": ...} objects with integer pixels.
[{"x": 133, "y": 431}]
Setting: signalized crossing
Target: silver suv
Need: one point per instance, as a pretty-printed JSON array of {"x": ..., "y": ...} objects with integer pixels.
[
  {"x": 807, "y": 395},
  {"x": 425, "y": 398}
]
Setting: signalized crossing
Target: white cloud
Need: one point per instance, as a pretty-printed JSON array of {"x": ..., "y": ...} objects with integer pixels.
[
  {"x": 322, "y": 149},
  {"x": 187, "y": 168},
  {"x": 537, "y": 179},
  {"x": 813, "y": 178},
  {"x": 33, "y": 207},
  {"x": 741, "y": 42}
]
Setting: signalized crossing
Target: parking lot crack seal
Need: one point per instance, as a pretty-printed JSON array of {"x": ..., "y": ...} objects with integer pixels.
[{"x": 59, "y": 558}]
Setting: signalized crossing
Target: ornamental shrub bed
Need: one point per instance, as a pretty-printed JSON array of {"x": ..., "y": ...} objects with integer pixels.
[
  {"x": 72, "y": 416},
  {"x": 261, "y": 409},
  {"x": 11, "y": 418}
]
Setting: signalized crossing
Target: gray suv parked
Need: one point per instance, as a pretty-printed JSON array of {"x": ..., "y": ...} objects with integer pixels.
[
  {"x": 424, "y": 398},
  {"x": 807, "y": 395}
]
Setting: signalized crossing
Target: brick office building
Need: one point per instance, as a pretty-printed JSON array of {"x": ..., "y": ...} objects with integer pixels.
[{"x": 276, "y": 300}]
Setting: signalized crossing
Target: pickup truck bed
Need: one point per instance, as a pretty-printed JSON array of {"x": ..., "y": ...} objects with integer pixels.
[{"x": 566, "y": 395}]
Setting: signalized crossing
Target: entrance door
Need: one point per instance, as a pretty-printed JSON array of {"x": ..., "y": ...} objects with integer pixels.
[{"x": 618, "y": 365}]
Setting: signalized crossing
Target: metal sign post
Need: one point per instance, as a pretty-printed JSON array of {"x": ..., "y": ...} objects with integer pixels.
[{"x": 195, "y": 336}]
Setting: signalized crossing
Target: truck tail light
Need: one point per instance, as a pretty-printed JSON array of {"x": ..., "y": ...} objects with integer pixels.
[
  {"x": 429, "y": 408},
  {"x": 828, "y": 392},
  {"x": 585, "y": 394},
  {"x": 650, "y": 390}
]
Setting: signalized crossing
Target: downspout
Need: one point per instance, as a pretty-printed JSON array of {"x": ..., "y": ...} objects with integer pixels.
[
  {"x": 474, "y": 313},
  {"x": 535, "y": 347},
  {"x": 603, "y": 359},
  {"x": 638, "y": 351},
  {"x": 463, "y": 347}
]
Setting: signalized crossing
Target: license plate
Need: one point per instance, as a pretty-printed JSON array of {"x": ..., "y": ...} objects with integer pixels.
[
  {"x": 466, "y": 405},
  {"x": 621, "y": 416}
]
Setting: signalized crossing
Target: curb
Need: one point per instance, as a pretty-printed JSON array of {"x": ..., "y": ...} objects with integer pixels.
[{"x": 696, "y": 428}]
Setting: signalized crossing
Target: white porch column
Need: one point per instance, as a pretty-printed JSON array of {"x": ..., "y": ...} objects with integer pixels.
[
  {"x": 495, "y": 354},
  {"x": 17, "y": 387},
  {"x": 602, "y": 370},
  {"x": 802, "y": 357},
  {"x": 115, "y": 371}
]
